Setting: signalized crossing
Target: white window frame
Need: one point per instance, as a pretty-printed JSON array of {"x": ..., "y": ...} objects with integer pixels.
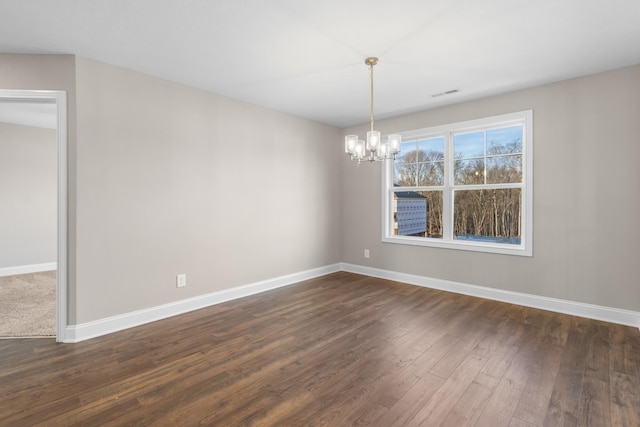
[{"x": 525, "y": 248}]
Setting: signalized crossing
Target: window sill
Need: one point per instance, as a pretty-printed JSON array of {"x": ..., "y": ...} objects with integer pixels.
[{"x": 518, "y": 250}]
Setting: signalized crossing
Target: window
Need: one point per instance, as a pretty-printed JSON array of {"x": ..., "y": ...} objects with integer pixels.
[{"x": 463, "y": 186}]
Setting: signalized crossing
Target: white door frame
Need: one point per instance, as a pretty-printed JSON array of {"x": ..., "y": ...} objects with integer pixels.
[{"x": 60, "y": 99}]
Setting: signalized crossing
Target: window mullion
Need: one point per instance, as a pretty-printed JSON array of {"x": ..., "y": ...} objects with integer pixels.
[{"x": 447, "y": 194}]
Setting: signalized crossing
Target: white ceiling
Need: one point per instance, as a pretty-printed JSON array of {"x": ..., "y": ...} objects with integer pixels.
[{"x": 306, "y": 57}]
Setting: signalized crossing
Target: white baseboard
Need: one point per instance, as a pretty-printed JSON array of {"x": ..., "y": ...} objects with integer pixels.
[
  {"x": 85, "y": 331},
  {"x": 26, "y": 269},
  {"x": 597, "y": 312}
]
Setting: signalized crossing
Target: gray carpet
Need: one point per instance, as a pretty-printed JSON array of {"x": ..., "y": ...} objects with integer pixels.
[{"x": 28, "y": 305}]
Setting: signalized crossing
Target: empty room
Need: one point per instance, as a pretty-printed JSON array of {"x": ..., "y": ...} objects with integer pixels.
[{"x": 297, "y": 213}]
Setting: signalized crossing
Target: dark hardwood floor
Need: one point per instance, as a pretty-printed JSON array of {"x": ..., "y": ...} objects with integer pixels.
[{"x": 339, "y": 350}]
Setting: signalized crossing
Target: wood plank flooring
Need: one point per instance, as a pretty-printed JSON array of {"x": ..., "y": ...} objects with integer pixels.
[{"x": 339, "y": 350}]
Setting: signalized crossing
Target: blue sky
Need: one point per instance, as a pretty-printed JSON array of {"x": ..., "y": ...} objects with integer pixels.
[{"x": 470, "y": 144}]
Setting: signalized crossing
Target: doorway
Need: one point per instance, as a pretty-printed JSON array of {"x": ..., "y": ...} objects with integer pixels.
[{"x": 52, "y": 105}]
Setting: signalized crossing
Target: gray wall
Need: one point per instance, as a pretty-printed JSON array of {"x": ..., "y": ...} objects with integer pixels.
[
  {"x": 173, "y": 180},
  {"x": 166, "y": 179},
  {"x": 586, "y": 198},
  {"x": 28, "y": 195}
]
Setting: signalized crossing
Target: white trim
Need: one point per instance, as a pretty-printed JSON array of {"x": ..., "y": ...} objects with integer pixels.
[
  {"x": 61, "y": 300},
  {"x": 85, "y": 331},
  {"x": 60, "y": 99},
  {"x": 590, "y": 311},
  {"x": 26, "y": 269}
]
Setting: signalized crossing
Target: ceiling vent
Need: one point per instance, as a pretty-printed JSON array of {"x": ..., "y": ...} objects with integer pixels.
[{"x": 449, "y": 92}]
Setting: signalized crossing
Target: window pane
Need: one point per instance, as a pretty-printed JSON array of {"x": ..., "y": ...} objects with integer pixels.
[
  {"x": 431, "y": 173},
  {"x": 504, "y": 169},
  {"x": 420, "y": 163},
  {"x": 431, "y": 149},
  {"x": 405, "y": 174},
  {"x": 488, "y": 215},
  {"x": 406, "y": 148},
  {"x": 467, "y": 172},
  {"x": 504, "y": 140},
  {"x": 468, "y": 145},
  {"x": 417, "y": 213}
]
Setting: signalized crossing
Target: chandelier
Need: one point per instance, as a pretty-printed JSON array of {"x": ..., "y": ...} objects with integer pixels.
[{"x": 374, "y": 149}]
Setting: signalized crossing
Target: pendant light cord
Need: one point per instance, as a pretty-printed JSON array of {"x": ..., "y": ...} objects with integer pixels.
[{"x": 371, "y": 110}]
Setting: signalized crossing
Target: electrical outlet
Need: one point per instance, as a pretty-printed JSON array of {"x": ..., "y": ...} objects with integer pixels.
[
  {"x": 366, "y": 253},
  {"x": 181, "y": 280}
]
